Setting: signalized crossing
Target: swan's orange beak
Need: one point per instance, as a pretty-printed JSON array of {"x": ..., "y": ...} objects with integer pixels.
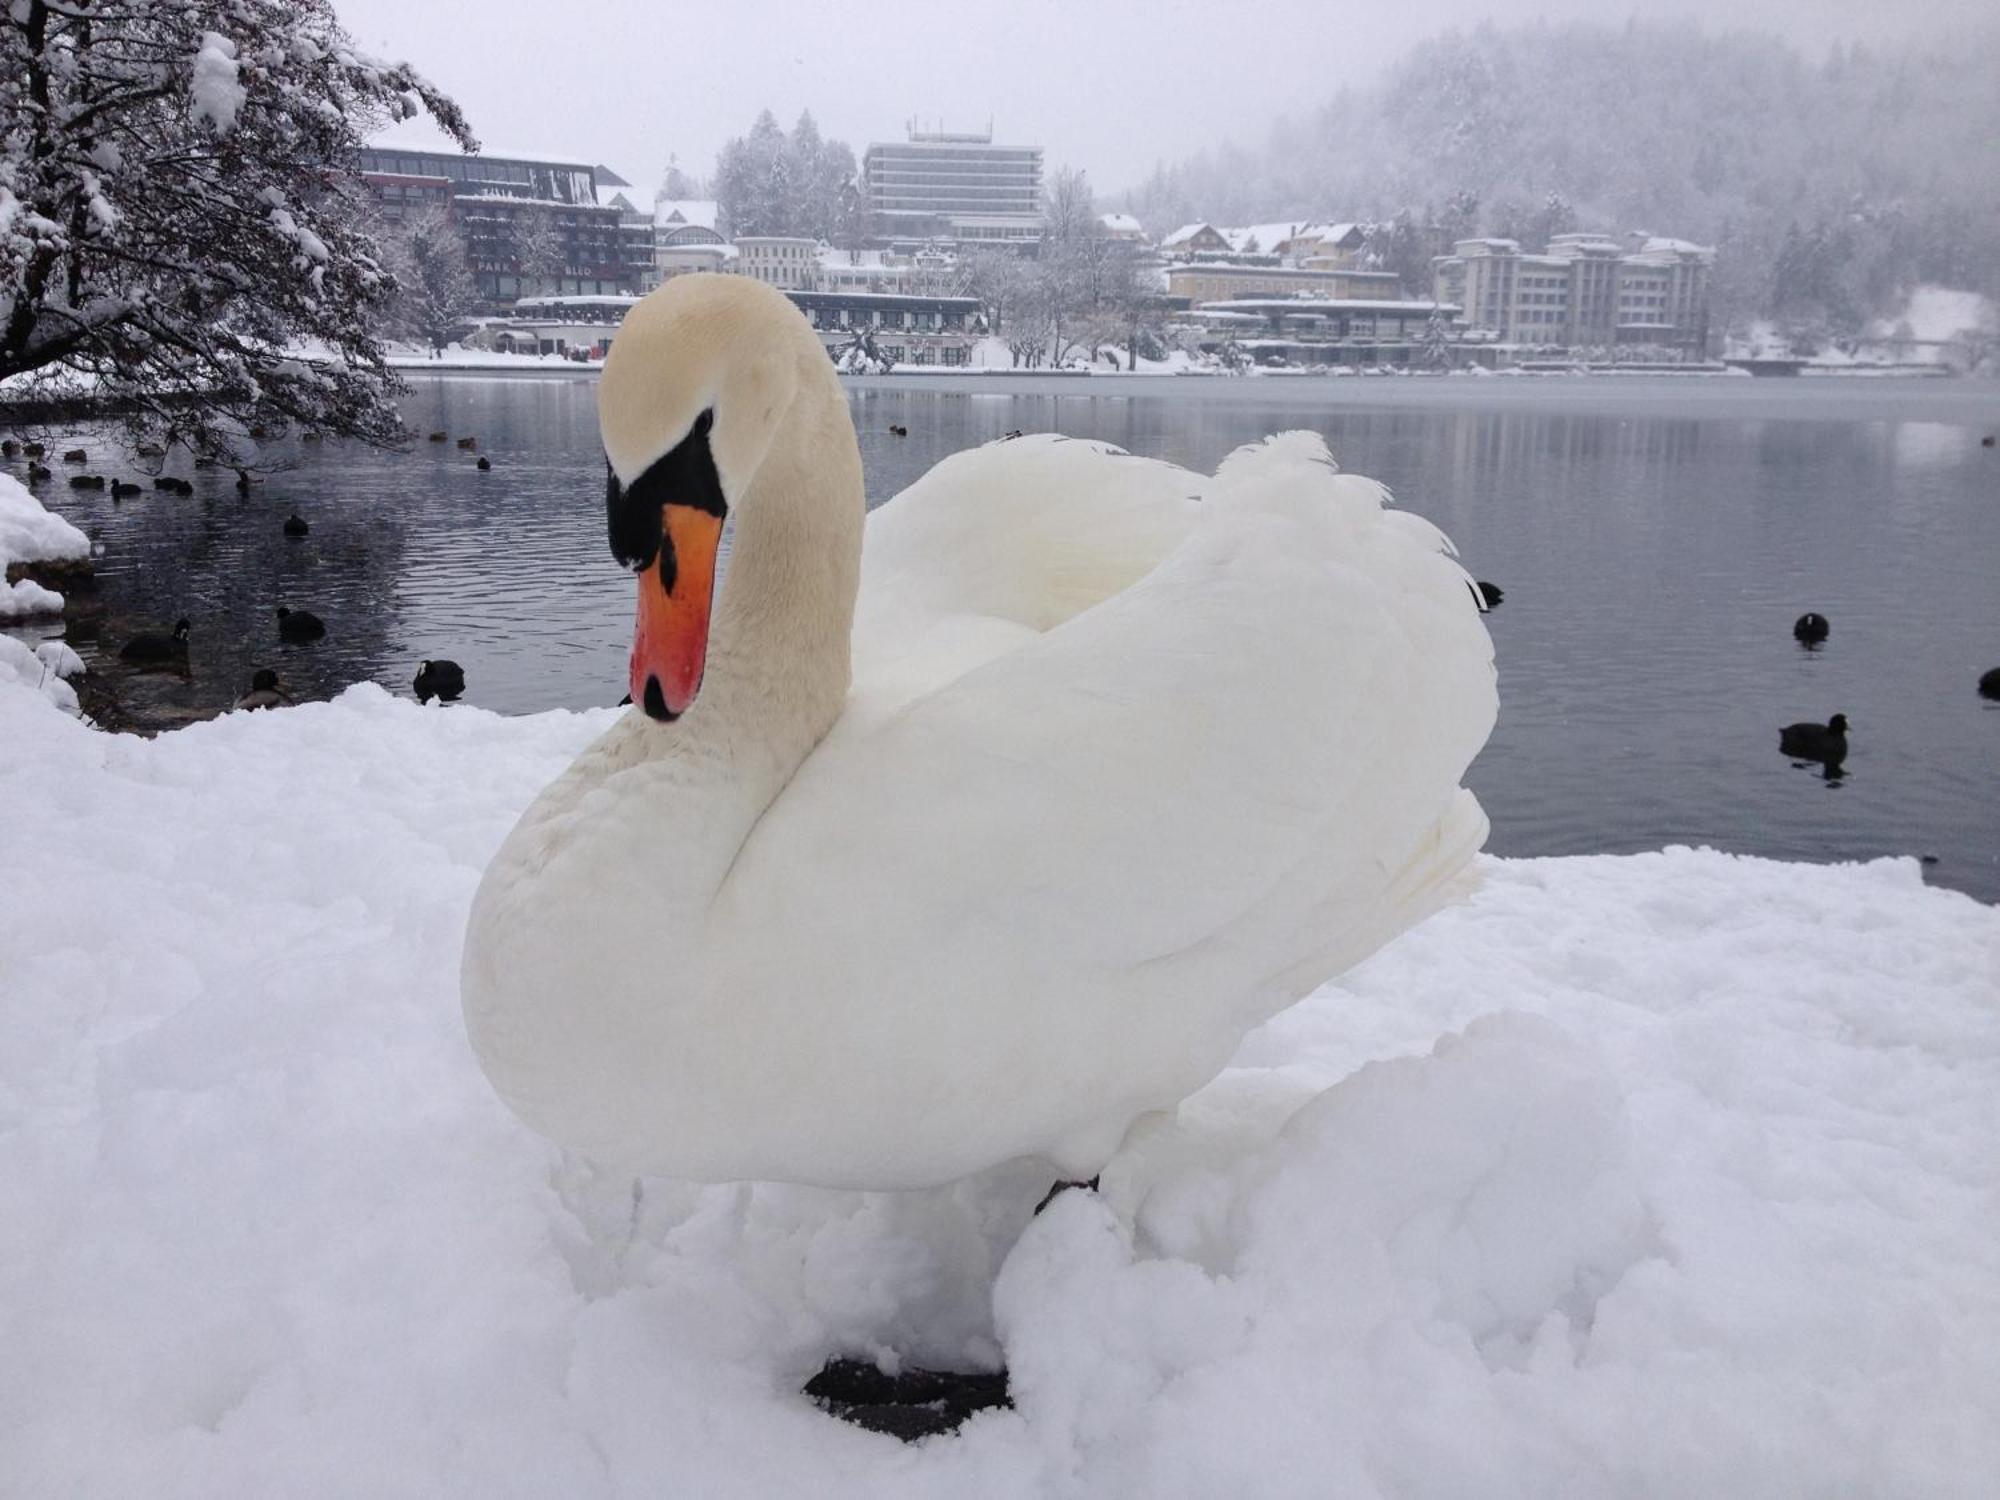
[{"x": 670, "y": 639}]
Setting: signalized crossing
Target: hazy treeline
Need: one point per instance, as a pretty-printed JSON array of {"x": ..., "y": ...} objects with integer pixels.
[{"x": 1829, "y": 187}]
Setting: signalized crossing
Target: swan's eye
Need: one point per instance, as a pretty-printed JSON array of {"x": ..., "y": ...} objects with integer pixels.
[{"x": 703, "y": 422}]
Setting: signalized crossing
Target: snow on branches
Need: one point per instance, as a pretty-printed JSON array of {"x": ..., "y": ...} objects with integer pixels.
[{"x": 181, "y": 229}]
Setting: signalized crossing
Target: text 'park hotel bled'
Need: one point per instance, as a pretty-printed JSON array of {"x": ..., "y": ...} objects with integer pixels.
[{"x": 957, "y": 187}]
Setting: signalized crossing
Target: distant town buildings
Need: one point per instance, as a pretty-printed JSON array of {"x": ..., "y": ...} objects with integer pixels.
[
  {"x": 1299, "y": 243},
  {"x": 885, "y": 328},
  {"x": 1587, "y": 291},
  {"x": 606, "y": 244},
  {"x": 959, "y": 188},
  {"x": 1305, "y": 291},
  {"x": 788, "y": 262},
  {"x": 1215, "y": 281},
  {"x": 1332, "y": 331},
  {"x": 893, "y": 329},
  {"x": 685, "y": 238}
]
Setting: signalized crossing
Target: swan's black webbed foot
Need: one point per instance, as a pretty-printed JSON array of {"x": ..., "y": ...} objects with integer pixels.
[
  {"x": 915, "y": 1404},
  {"x": 1050, "y": 1196}
]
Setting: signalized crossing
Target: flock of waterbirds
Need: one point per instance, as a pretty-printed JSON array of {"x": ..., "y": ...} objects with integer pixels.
[{"x": 167, "y": 650}]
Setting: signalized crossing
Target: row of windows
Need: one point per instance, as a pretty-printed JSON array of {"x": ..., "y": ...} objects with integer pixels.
[
  {"x": 878, "y": 156},
  {"x": 925, "y": 354},
  {"x": 844, "y": 317},
  {"x": 1017, "y": 181}
]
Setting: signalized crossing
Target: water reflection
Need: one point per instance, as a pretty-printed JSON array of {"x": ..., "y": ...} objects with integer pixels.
[{"x": 1655, "y": 552}]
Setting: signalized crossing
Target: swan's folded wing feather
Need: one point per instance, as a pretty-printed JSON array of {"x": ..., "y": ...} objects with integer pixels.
[
  {"x": 1033, "y": 530},
  {"x": 1244, "y": 763}
]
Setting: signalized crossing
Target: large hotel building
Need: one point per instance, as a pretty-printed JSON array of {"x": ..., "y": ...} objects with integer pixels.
[
  {"x": 961, "y": 188},
  {"x": 606, "y": 244}
]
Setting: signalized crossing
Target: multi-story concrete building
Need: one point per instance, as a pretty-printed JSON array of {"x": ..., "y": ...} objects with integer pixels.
[
  {"x": 789, "y": 262},
  {"x": 1585, "y": 292},
  {"x": 894, "y": 328},
  {"x": 1663, "y": 293},
  {"x": 606, "y": 247},
  {"x": 960, "y": 187},
  {"x": 1330, "y": 331},
  {"x": 1216, "y": 281}
]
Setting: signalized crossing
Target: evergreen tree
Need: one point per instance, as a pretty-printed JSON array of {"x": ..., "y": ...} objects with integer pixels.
[
  {"x": 771, "y": 183},
  {"x": 1435, "y": 342},
  {"x": 1655, "y": 126},
  {"x": 676, "y": 185}
]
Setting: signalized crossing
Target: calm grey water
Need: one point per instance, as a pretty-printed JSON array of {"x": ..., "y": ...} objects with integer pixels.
[{"x": 1656, "y": 538}]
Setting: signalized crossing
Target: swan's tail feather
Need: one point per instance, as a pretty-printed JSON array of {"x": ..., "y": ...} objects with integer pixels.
[
  {"x": 1441, "y": 871},
  {"x": 1280, "y": 451}
]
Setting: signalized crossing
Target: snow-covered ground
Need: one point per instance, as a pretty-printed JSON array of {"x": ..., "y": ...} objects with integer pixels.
[
  {"x": 1666, "y": 1175},
  {"x": 417, "y": 358},
  {"x": 29, "y": 533},
  {"x": 1935, "y": 314},
  {"x": 1938, "y": 327}
]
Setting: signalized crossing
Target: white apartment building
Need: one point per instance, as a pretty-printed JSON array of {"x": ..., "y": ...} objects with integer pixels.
[
  {"x": 789, "y": 262},
  {"x": 1585, "y": 292}
]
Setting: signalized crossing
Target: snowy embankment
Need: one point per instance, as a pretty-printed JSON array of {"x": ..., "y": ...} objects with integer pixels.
[
  {"x": 29, "y": 534},
  {"x": 416, "y": 359},
  {"x": 1670, "y": 1175}
]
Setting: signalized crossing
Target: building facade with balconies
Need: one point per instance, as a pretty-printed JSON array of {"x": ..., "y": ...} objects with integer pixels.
[
  {"x": 606, "y": 247},
  {"x": 1586, "y": 292}
]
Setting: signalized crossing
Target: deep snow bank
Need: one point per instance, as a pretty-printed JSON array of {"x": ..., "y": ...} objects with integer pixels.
[
  {"x": 29, "y": 533},
  {"x": 1665, "y": 1175}
]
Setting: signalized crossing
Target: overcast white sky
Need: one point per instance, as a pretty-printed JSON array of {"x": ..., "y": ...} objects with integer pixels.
[{"x": 1111, "y": 86}]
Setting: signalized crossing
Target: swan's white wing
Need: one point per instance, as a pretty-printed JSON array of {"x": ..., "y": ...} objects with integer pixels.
[
  {"x": 999, "y": 544},
  {"x": 1072, "y": 876},
  {"x": 1033, "y": 529}
]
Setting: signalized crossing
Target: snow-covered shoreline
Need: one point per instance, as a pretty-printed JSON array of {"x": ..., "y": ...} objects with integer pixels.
[
  {"x": 1670, "y": 1174},
  {"x": 29, "y": 533}
]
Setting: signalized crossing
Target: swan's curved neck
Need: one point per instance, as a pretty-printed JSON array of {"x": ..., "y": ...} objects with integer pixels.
[{"x": 780, "y": 645}]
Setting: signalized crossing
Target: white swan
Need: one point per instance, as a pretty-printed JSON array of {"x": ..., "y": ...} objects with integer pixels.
[{"x": 1132, "y": 758}]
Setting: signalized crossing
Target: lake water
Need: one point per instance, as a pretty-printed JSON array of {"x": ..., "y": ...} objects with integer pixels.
[{"x": 1655, "y": 538}]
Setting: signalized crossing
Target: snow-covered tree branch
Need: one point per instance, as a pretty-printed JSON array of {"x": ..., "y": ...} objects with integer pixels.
[{"x": 180, "y": 227}]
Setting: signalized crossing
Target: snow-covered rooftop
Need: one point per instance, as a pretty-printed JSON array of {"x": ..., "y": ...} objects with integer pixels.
[
  {"x": 416, "y": 136},
  {"x": 1184, "y": 234},
  {"x": 700, "y": 212},
  {"x": 1121, "y": 223},
  {"x": 1270, "y": 239},
  {"x": 1655, "y": 244}
]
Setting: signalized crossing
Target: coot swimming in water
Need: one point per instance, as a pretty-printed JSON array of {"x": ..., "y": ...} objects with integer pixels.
[
  {"x": 440, "y": 678},
  {"x": 151, "y": 649},
  {"x": 299, "y": 625},
  {"x": 1825, "y": 743}
]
